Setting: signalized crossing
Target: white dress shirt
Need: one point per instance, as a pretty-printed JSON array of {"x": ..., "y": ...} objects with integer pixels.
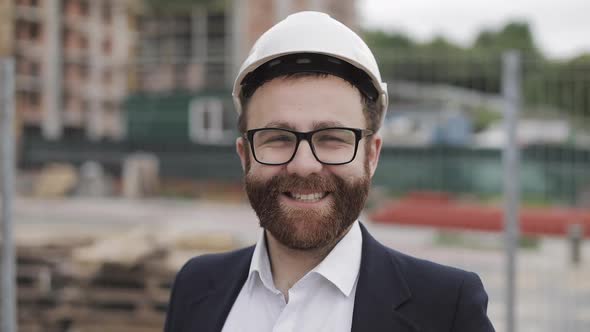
[{"x": 323, "y": 300}]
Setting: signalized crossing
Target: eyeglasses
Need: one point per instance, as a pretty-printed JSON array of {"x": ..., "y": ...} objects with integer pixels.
[{"x": 330, "y": 146}]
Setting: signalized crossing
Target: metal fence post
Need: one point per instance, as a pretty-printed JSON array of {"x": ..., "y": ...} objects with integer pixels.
[
  {"x": 511, "y": 86},
  {"x": 575, "y": 234},
  {"x": 7, "y": 154}
]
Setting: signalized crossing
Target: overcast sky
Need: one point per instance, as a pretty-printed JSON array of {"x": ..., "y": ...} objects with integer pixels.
[{"x": 561, "y": 27}]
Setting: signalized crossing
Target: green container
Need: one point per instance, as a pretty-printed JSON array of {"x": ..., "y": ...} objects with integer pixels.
[{"x": 164, "y": 118}]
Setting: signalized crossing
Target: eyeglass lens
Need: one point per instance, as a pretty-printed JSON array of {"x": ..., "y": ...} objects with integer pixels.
[{"x": 277, "y": 146}]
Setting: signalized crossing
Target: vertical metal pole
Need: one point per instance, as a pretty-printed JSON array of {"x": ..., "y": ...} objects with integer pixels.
[
  {"x": 228, "y": 60},
  {"x": 282, "y": 9},
  {"x": 240, "y": 35},
  {"x": 7, "y": 139},
  {"x": 575, "y": 234},
  {"x": 511, "y": 84},
  {"x": 95, "y": 129},
  {"x": 52, "y": 125},
  {"x": 317, "y": 5}
]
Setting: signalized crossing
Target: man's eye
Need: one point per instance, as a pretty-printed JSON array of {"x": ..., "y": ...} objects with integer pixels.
[
  {"x": 335, "y": 139},
  {"x": 278, "y": 138}
]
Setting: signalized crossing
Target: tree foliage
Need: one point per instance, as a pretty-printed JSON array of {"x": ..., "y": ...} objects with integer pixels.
[
  {"x": 515, "y": 35},
  {"x": 581, "y": 59},
  {"x": 563, "y": 84}
]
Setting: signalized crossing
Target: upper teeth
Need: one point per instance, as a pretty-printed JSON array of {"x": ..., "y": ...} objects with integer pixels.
[{"x": 309, "y": 197}]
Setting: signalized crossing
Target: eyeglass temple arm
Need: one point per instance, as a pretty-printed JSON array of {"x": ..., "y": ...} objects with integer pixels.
[{"x": 366, "y": 132}]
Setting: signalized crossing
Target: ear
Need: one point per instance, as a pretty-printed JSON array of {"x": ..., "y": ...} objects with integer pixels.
[
  {"x": 374, "y": 152},
  {"x": 241, "y": 149}
]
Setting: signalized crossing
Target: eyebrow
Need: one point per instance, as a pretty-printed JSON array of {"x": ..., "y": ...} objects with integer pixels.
[
  {"x": 279, "y": 124},
  {"x": 326, "y": 124},
  {"x": 315, "y": 125}
]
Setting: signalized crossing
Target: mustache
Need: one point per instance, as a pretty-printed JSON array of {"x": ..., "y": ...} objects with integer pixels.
[{"x": 291, "y": 182}]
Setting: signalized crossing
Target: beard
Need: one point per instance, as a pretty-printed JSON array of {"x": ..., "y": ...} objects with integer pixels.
[{"x": 313, "y": 228}]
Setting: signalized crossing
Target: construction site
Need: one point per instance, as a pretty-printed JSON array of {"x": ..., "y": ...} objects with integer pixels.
[{"x": 124, "y": 133}]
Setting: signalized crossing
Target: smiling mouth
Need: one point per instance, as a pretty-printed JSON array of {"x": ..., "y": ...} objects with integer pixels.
[{"x": 307, "y": 198}]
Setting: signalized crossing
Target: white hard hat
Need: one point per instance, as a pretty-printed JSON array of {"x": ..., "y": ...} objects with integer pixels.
[{"x": 311, "y": 42}]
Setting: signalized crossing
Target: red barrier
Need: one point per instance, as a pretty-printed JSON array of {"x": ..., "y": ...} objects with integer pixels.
[{"x": 441, "y": 211}]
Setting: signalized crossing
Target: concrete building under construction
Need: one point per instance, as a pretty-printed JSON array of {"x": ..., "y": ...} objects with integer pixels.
[
  {"x": 70, "y": 64},
  {"x": 202, "y": 46},
  {"x": 77, "y": 60}
]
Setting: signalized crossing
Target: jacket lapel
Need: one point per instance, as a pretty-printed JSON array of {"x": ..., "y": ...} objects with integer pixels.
[
  {"x": 381, "y": 291},
  {"x": 208, "y": 313}
]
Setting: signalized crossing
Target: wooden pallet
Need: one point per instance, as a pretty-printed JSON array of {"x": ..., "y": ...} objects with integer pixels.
[
  {"x": 31, "y": 327},
  {"x": 110, "y": 327},
  {"x": 41, "y": 285},
  {"x": 34, "y": 279},
  {"x": 34, "y": 282},
  {"x": 57, "y": 293},
  {"x": 98, "y": 314},
  {"x": 116, "y": 294}
]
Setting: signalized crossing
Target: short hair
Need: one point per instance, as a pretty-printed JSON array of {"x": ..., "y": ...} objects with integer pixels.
[{"x": 371, "y": 111}]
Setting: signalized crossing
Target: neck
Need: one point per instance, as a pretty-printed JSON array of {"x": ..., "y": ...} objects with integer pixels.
[{"x": 290, "y": 265}]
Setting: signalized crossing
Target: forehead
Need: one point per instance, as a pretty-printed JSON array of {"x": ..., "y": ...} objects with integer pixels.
[{"x": 304, "y": 103}]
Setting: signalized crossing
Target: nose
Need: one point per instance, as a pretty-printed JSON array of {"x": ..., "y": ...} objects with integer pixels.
[{"x": 304, "y": 162}]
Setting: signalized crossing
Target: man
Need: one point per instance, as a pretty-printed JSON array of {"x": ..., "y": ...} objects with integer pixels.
[{"x": 311, "y": 101}]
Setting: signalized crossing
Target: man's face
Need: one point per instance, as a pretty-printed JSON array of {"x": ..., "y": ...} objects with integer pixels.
[{"x": 305, "y": 204}]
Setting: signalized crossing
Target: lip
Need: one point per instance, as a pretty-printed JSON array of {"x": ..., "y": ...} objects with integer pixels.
[{"x": 298, "y": 203}]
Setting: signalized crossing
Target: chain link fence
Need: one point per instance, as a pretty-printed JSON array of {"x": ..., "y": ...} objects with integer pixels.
[{"x": 458, "y": 99}]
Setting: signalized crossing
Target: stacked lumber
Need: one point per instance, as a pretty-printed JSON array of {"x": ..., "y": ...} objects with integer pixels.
[
  {"x": 118, "y": 298},
  {"x": 41, "y": 285},
  {"x": 118, "y": 283}
]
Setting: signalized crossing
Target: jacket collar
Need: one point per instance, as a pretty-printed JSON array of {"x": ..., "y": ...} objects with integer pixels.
[
  {"x": 381, "y": 291},
  {"x": 209, "y": 312}
]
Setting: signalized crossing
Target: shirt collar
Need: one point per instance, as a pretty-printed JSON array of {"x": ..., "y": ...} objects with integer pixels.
[
  {"x": 340, "y": 267},
  {"x": 260, "y": 265}
]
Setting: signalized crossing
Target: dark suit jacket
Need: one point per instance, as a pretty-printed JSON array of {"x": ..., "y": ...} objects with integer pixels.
[{"x": 395, "y": 293}]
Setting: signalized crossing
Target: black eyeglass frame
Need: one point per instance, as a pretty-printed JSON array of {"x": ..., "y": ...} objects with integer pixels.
[{"x": 359, "y": 134}]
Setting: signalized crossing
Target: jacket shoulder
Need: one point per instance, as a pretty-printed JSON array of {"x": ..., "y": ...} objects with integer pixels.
[
  {"x": 203, "y": 270},
  {"x": 425, "y": 270},
  {"x": 196, "y": 280},
  {"x": 457, "y": 297}
]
